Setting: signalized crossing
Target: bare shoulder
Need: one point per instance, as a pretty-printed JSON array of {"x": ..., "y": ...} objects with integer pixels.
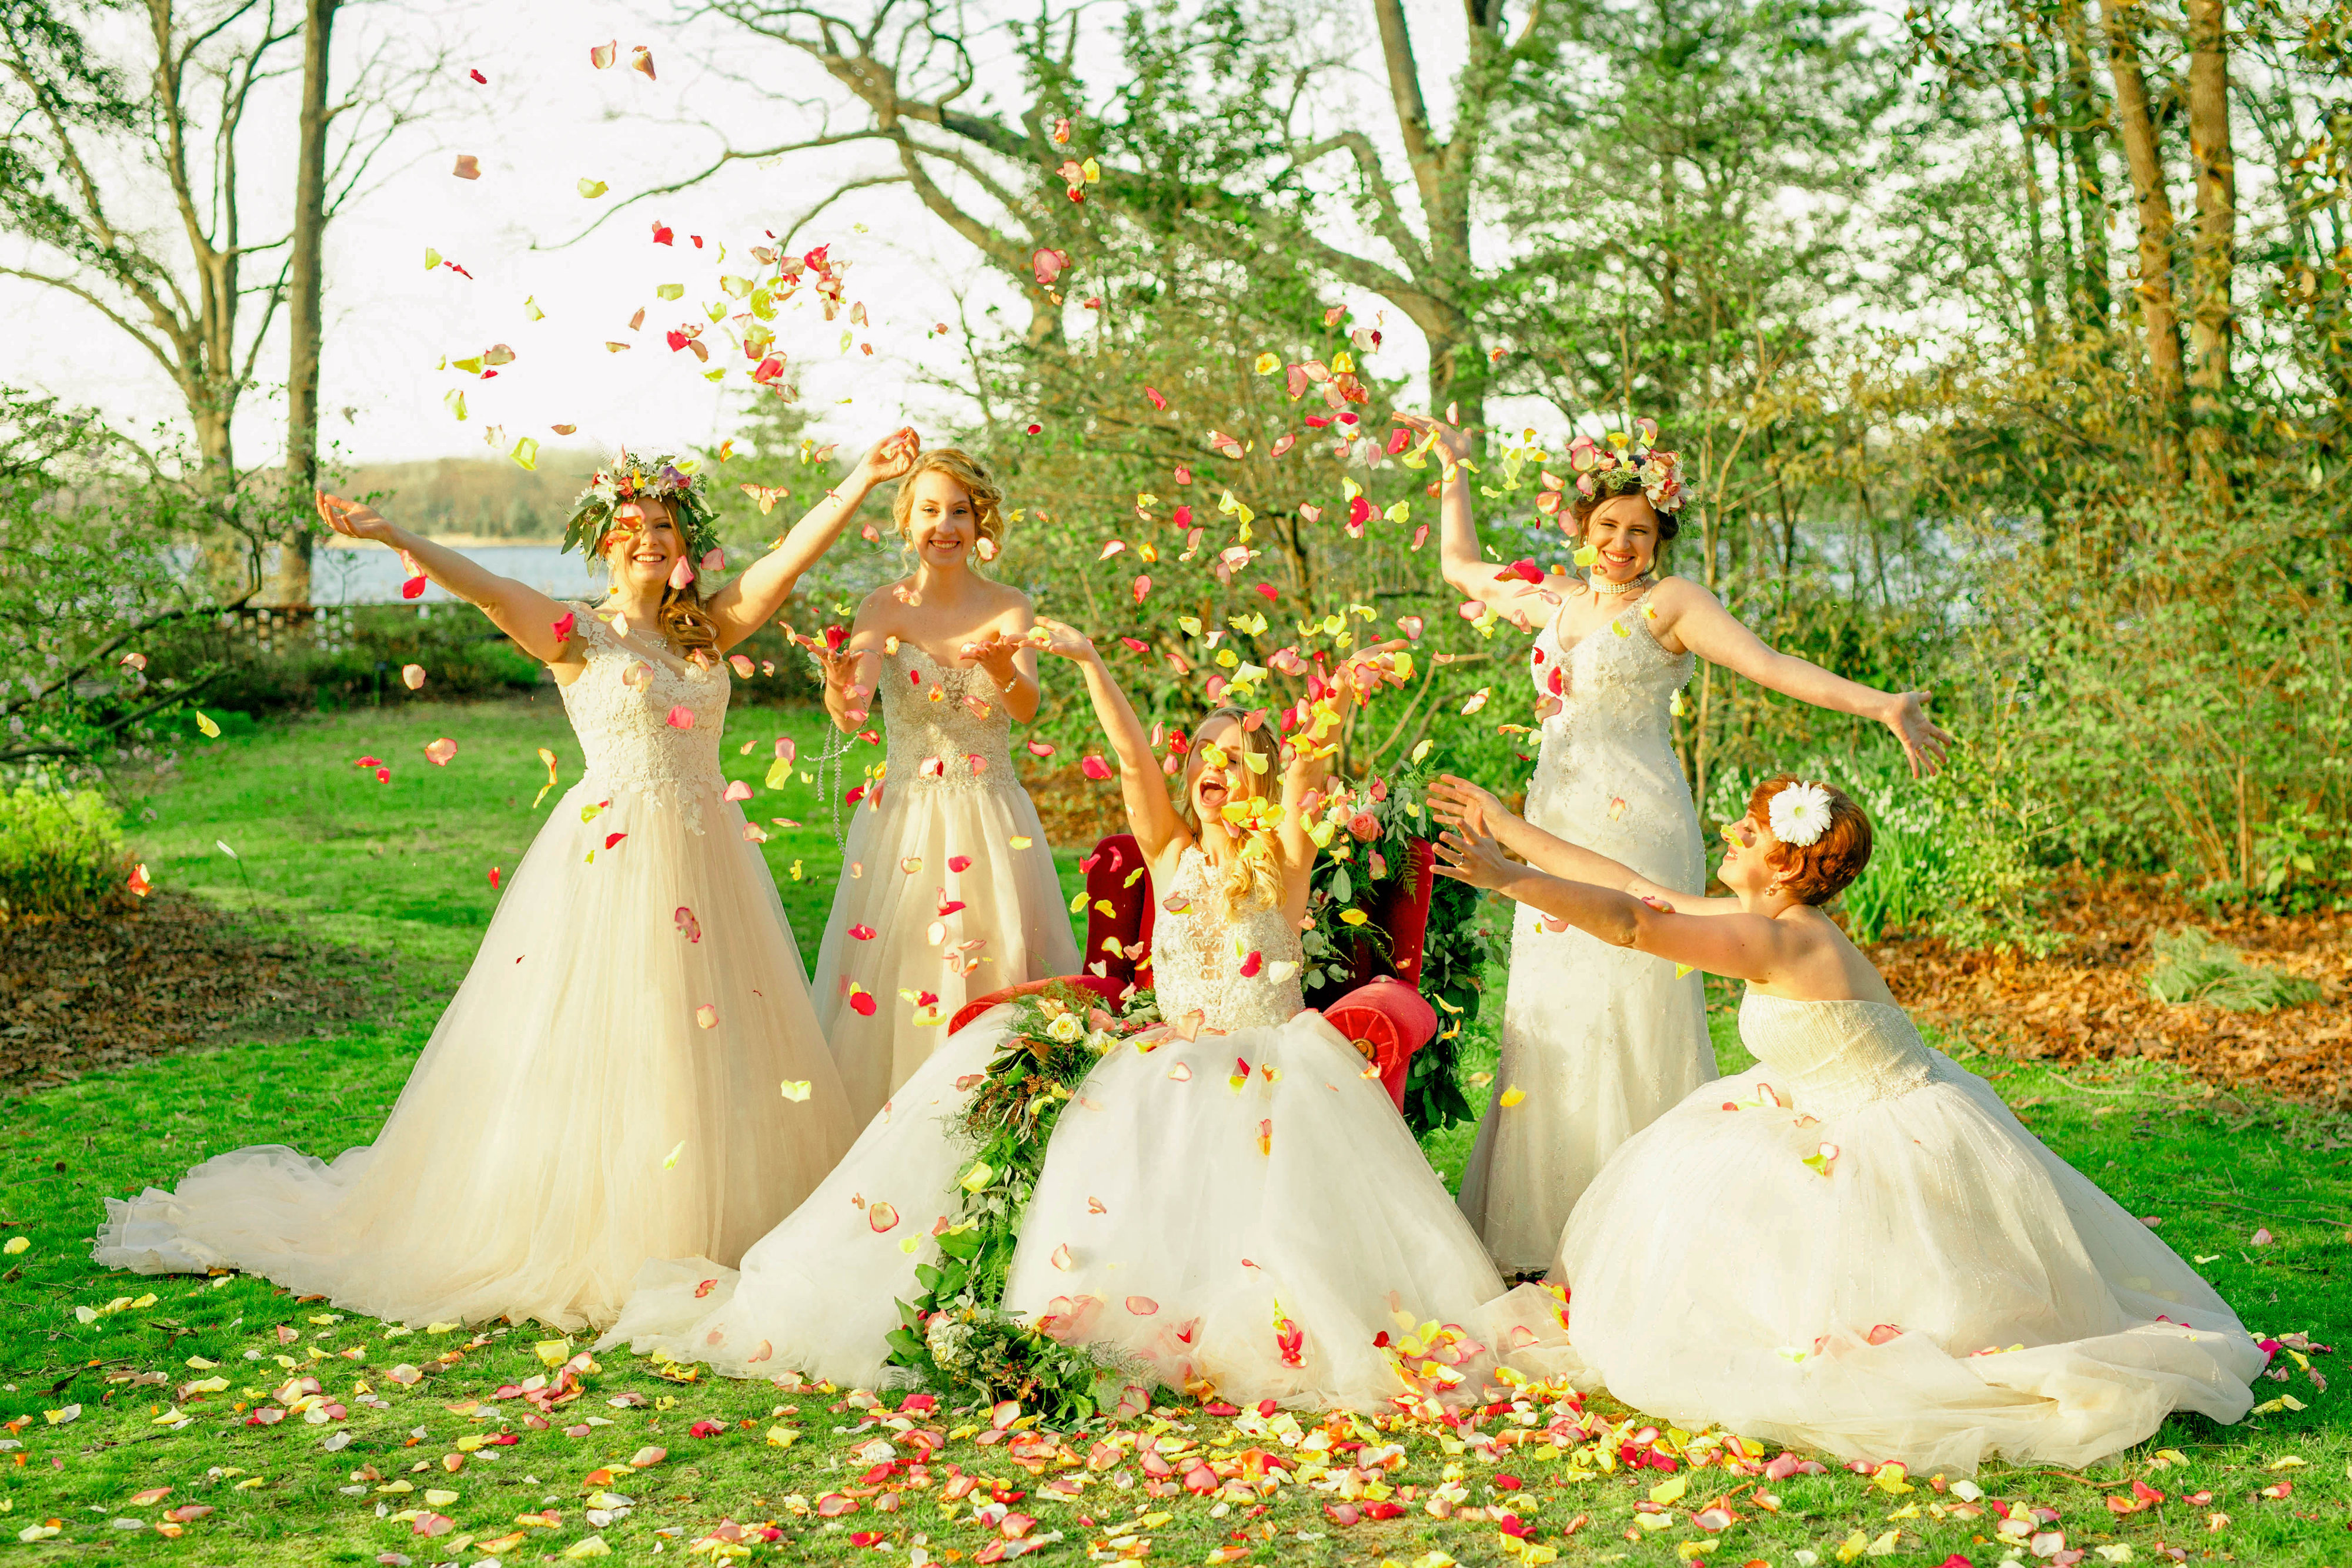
[
  {"x": 1009, "y": 607},
  {"x": 1675, "y": 594},
  {"x": 882, "y": 605}
]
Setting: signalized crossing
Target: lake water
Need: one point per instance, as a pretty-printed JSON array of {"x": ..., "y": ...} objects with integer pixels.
[{"x": 373, "y": 575}]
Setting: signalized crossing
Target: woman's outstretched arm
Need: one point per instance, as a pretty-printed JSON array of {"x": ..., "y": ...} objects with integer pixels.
[
  {"x": 1694, "y": 617},
  {"x": 1459, "y": 556},
  {"x": 517, "y": 609},
  {"x": 1721, "y": 941},
  {"x": 759, "y": 589},
  {"x": 1150, "y": 816}
]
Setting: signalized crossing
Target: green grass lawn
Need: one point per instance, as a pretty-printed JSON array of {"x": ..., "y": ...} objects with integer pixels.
[{"x": 114, "y": 1386}]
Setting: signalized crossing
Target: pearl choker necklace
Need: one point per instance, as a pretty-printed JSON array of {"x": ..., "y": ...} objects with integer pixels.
[{"x": 1602, "y": 585}]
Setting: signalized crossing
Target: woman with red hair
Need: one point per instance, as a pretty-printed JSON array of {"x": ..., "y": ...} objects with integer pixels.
[{"x": 1853, "y": 1246}]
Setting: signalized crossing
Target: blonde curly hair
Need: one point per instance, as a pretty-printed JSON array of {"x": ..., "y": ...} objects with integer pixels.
[
  {"x": 987, "y": 495},
  {"x": 1253, "y": 879}
]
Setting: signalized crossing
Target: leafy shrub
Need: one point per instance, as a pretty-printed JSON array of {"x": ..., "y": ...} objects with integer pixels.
[
  {"x": 2191, "y": 967},
  {"x": 61, "y": 853}
]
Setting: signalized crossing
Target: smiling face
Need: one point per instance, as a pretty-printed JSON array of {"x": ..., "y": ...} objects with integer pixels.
[
  {"x": 1625, "y": 530},
  {"x": 643, "y": 546},
  {"x": 942, "y": 523}
]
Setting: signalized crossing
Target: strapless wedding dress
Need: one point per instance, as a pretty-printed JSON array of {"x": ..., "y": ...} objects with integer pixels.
[
  {"x": 937, "y": 830},
  {"x": 1197, "y": 1196},
  {"x": 1856, "y": 1246}
]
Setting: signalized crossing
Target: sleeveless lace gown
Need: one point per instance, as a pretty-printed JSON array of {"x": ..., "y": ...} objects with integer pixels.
[
  {"x": 1178, "y": 1213},
  {"x": 573, "y": 1114},
  {"x": 947, "y": 799},
  {"x": 1600, "y": 1040},
  {"x": 1716, "y": 1277}
]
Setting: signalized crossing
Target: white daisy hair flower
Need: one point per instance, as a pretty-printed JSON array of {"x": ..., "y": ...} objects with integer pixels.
[{"x": 1799, "y": 814}]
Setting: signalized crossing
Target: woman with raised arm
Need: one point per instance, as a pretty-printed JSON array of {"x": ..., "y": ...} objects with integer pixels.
[
  {"x": 1601, "y": 1041},
  {"x": 1853, "y": 1246},
  {"x": 632, "y": 1068},
  {"x": 948, "y": 889},
  {"x": 1228, "y": 1197}
]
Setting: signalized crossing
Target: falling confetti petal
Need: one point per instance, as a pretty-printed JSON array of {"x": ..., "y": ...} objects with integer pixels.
[{"x": 441, "y": 751}]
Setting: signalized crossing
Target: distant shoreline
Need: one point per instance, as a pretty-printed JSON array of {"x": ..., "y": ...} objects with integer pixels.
[{"x": 453, "y": 541}]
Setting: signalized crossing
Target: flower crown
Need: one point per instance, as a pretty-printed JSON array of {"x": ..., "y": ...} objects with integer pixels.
[
  {"x": 1798, "y": 814},
  {"x": 1631, "y": 465},
  {"x": 671, "y": 480}
]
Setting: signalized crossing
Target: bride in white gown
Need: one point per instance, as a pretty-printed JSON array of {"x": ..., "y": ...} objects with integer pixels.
[
  {"x": 1232, "y": 1200},
  {"x": 604, "y": 1087},
  {"x": 1601, "y": 1041},
  {"x": 1854, "y": 1246}
]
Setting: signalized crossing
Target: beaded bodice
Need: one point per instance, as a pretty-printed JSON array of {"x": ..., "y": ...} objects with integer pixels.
[
  {"x": 945, "y": 725},
  {"x": 1835, "y": 1056},
  {"x": 1618, "y": 679},
  {"x": 1198, "y": 956},
  {"x": 648, "y": 721},
  {"x": 1606, "y": 774}
]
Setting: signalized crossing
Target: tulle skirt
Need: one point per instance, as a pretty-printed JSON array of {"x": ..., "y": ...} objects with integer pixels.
[
  {"x": 609, "y": 1084},
  {"x": 1246, "y": 1209},
  {"x": 1948, "y": 1289},
  {"x": 1012, "y": 909}
]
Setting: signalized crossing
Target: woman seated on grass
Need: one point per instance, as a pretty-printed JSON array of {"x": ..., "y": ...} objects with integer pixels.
[{"x": 1854, "y": 1246}]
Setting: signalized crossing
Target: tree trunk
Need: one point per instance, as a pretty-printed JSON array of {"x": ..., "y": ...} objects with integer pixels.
[
  {"x": 2086, "y": 123},
  {"x": 2159, "y": 312},
  {"x": 289, "y": 581},
  {"x": 2216, "y": 244}
]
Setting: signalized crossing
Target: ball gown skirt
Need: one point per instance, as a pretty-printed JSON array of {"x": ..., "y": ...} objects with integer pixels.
[
  {"x": 1195, "y": 1198},
  {"x": 1936, "y": 1287}
]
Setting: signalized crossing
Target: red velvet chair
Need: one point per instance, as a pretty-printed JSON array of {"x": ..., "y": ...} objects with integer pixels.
[{"x": 1383, "y": 1012}]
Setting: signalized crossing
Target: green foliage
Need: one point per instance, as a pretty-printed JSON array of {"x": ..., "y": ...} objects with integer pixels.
[
  {"x": 2186, "y": 688},
  {"x": 957, "y": 1334},
  {"x": 1359, "y": 874},
  {"x": 88, "y": 571},
  {"x": 2192, "y": 967},
  {"x": 61, "y": 853}
]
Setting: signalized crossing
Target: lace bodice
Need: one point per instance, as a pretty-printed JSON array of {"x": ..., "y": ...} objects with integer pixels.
[
  {"x": 1198, "y": 956},
  {"x": 1606, "y": 776},
  {"x": 629, "y": 723},
  {"x": 1835, "y": 1056},
  {"x": 946, "y": 726}
]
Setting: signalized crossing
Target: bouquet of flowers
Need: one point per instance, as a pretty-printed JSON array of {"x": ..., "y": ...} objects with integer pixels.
[{"x": 957, "y": 1334}]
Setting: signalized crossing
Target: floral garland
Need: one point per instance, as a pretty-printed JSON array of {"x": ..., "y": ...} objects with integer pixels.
[
  {"x": 957, "y": 1334},
  {"x": 1368, "y": 834},
  {"x": 668, "y": 479}
]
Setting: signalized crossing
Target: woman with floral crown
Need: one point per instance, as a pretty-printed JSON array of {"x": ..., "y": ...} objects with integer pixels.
[
  {"x": 948, "y": 889},
  {"x": 1599, "y": 1040},
  {"x": 632, "y": 1069},
  {"x": 1854, "y": 1245},
  {"x": 1225, "y": 1197}
]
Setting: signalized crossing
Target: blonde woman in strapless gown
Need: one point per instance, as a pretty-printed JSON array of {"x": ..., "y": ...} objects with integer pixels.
[
  {"x": 1240, "y": 1174},
  {"x": 948, "y": 889},
  {"x": 1854, "y": 1246}
]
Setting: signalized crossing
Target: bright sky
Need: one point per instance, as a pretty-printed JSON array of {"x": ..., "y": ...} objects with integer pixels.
[{"x": 545, "y": 121}]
